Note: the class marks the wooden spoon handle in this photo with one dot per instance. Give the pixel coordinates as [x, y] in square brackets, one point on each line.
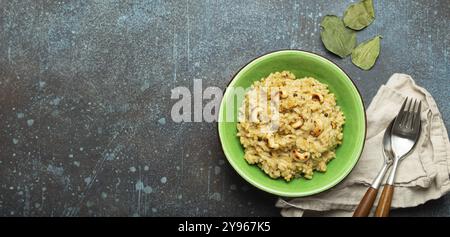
[384, 204]
[366, 203]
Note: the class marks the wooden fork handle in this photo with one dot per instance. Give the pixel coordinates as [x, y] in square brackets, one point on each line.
[384, 204]
[366, 203]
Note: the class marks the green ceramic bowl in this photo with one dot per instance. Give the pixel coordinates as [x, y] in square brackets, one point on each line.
[302, 64]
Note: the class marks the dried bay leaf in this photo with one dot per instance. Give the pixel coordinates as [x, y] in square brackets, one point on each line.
[365, 54]
[359, 15]
[337, 38]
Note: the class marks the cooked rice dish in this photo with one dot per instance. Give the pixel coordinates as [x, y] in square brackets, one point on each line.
[290, 127]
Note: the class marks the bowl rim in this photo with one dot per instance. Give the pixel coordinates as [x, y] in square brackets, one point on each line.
[282, 193]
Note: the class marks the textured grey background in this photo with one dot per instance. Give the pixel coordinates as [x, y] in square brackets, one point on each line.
[85, 124]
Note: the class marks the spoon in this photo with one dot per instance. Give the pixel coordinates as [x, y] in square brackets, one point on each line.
[366, 203]
[405, 134]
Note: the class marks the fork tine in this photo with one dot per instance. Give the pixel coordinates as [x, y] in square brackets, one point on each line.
[412, 115]
[404, 105]
[405, 117]
[401, 113]
[416, 122]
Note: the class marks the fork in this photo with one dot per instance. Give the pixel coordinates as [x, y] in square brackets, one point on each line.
[404, 136]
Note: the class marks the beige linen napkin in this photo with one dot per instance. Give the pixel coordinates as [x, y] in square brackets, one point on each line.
[422, 176]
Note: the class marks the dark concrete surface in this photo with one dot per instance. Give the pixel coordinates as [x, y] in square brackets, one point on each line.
[85, 126]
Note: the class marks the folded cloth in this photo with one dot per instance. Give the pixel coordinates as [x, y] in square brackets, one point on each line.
[422, 176]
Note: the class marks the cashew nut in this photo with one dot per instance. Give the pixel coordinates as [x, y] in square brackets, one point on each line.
[298, 123]
[301, 156]
[318, 128]
[317, 96]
